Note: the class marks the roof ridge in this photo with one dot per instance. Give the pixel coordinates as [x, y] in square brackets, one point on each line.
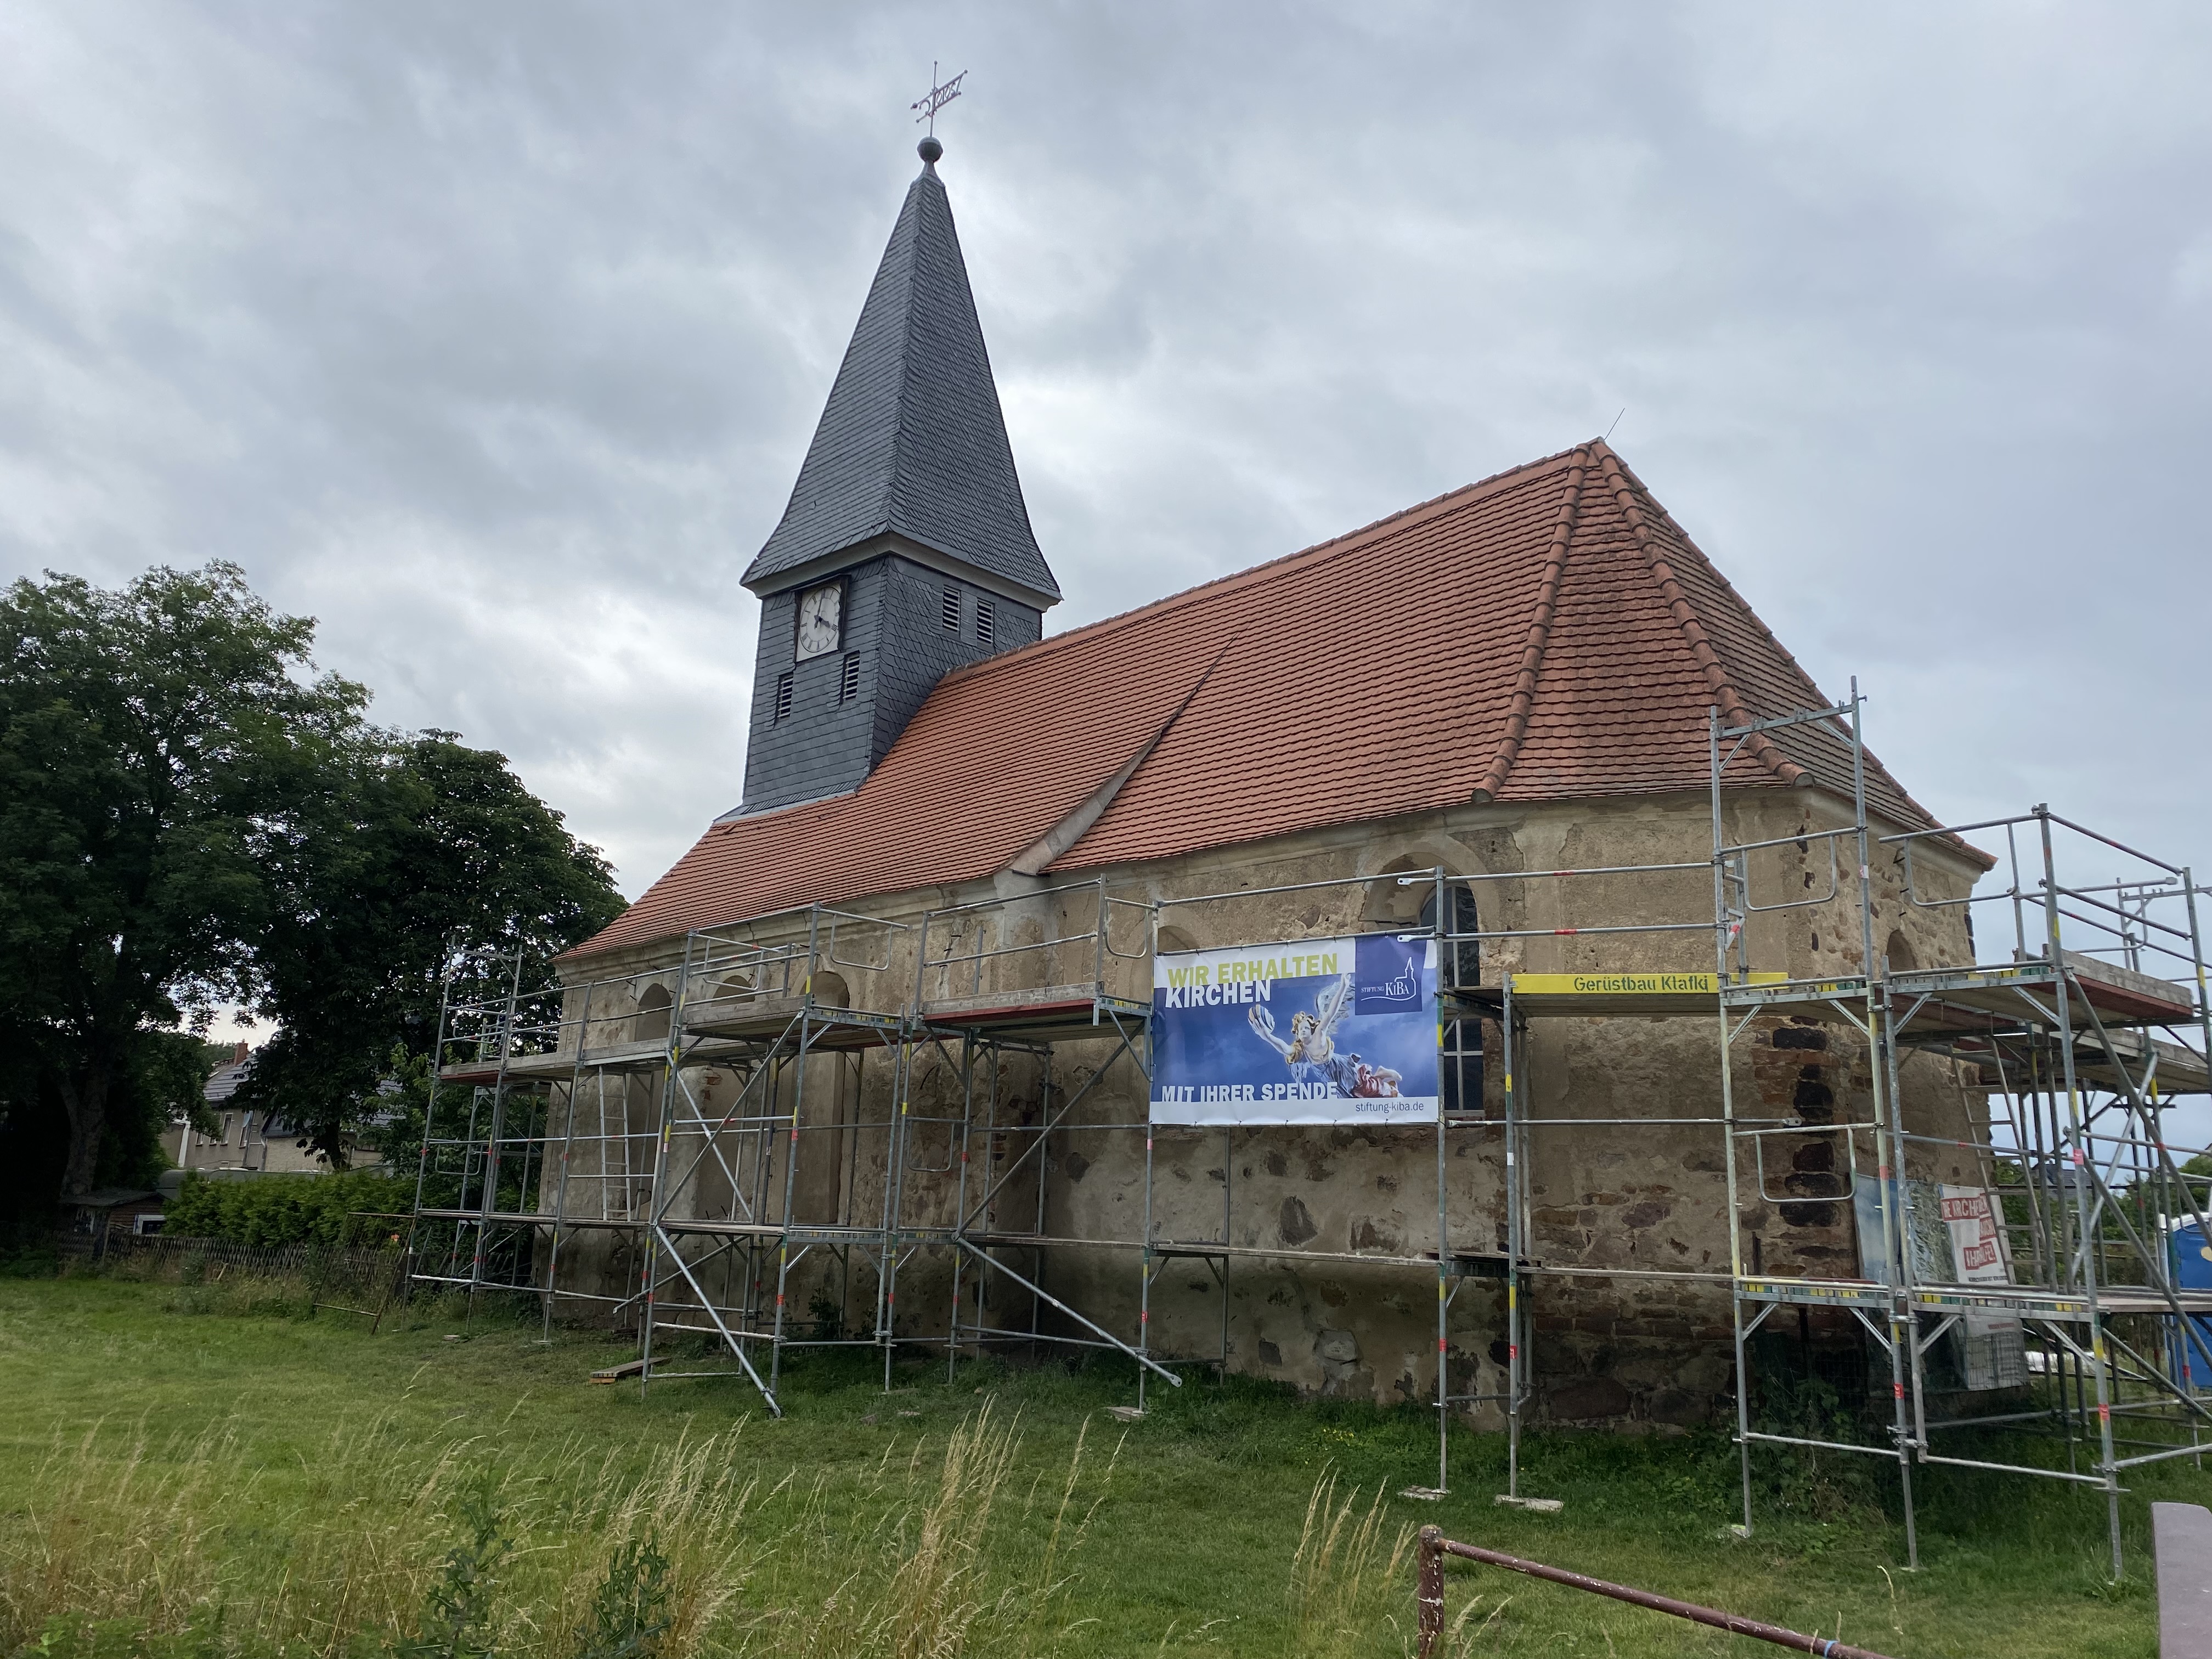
[1334, 544]
[1539, 632]
[1726, 693]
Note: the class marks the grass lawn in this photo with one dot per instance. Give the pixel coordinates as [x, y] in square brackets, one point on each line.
[166, 1451]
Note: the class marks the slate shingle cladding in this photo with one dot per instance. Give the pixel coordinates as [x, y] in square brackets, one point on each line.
[894, 627]
[912, 442]
[911, 452]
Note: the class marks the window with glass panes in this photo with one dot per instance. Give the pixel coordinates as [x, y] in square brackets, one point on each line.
[1459, 962]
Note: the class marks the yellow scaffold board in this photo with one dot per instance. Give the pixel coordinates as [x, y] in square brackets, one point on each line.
[1649, 994]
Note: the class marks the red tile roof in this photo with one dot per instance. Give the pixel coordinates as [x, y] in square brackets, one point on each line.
[1547, 633]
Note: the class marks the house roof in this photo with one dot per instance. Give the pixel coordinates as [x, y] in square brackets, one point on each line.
[1547, 633]
[223, 1082]
[912, 442]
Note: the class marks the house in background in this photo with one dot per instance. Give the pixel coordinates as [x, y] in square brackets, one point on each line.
[242, 1141]
[112, 1210]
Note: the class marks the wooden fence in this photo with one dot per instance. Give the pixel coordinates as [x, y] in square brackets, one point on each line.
[378, 1272]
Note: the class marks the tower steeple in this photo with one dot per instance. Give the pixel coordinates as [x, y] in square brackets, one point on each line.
[905, 551]
[912, 443]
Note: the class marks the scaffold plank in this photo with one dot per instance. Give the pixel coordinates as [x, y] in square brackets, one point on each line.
[1656, 995]
[1817, 1292]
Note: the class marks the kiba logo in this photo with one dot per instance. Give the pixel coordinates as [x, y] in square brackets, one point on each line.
[1404, 987]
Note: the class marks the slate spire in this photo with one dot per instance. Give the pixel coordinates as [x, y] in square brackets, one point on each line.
[912, 442]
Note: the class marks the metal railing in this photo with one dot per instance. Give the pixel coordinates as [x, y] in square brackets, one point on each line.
[1434, 1546]
[966, 950]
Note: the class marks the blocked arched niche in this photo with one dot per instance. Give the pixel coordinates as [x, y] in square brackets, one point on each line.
[1390, 905]
[651, 1020]
[1900, 952]
[828, 989]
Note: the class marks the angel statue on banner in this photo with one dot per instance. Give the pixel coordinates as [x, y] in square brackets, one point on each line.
[1311, 1055]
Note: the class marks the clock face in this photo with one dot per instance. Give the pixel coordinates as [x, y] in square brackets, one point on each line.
[821, 619]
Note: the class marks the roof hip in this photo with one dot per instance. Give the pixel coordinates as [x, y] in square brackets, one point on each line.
[1725, 691]
[1539, 632]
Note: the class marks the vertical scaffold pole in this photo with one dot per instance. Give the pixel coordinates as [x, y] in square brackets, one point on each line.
[1513, 1248]
[430, 1099]
[790, 1188]
[960, 1198]
[657, 1205]
[649, 1266]
[2197, 962]
[1721, 928]
[1443, 1230]
[1228, 1193]
[490, 1202]
[1889, 1111]
[2076, 1186]
[568, 1146]
[1140, 1053]
[2204, 1028]
[894, 1202]
[1044, 1168]
[1907, 1427]
[1145, 1264]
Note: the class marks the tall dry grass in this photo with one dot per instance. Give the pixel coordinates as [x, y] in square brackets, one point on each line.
[380, 1547]
[1349, 1569]
[941, 1580]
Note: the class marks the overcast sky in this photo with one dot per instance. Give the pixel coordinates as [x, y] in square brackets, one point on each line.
[492, 335]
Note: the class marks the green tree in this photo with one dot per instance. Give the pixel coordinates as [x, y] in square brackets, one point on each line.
[144, 733]
[426, 841]
[191, 815]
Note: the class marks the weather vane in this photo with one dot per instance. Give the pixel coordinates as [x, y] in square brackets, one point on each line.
[940, 94]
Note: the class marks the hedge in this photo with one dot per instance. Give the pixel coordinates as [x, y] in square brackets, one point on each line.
[271, 1210]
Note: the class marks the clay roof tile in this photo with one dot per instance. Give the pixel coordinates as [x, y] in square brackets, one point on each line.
[1547, 633]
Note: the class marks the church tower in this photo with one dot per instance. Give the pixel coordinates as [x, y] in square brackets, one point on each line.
[906, 550]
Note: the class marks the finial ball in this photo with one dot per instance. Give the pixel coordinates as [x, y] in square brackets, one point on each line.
[931, 149]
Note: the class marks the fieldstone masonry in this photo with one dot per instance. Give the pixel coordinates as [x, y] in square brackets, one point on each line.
[1610, 1201]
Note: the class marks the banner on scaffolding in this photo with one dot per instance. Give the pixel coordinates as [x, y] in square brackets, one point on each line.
[1954, 1238]
[1321, 1030]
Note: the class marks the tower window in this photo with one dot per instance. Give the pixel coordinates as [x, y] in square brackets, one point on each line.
[783, 697]
[985, 621]
[848, 679]
[952, 611]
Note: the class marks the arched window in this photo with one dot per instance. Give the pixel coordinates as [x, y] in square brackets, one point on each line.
[1459, 962]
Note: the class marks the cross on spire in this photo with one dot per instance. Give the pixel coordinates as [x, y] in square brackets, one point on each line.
[940, 94]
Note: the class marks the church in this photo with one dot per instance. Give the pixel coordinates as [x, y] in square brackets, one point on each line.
[876, 1063]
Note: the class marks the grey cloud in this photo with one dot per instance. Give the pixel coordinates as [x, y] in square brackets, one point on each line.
[493, 335]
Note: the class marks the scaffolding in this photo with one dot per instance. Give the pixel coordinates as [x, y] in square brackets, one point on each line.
[683, 1148]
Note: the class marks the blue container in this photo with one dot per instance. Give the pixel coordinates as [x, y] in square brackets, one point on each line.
[2192, 1270]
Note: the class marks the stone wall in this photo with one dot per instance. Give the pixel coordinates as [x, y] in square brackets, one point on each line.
[1605, 1203]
